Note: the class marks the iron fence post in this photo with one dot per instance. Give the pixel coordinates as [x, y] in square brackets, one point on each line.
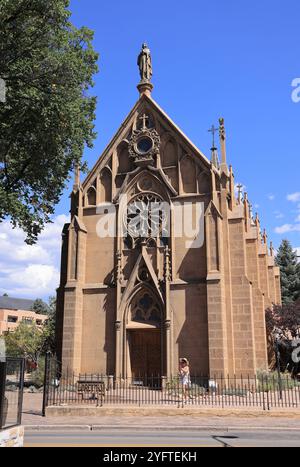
[277, 353]
[46, 383]
[2, 392]
[21, 390]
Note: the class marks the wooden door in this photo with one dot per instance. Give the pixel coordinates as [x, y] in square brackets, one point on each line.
[145, 354]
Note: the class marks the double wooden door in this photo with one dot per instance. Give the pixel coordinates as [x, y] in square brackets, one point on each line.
[145, 354]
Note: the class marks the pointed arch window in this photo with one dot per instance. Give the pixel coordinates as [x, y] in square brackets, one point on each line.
[145, 308]
[169, 154]
[188, 175]
[105, 185]
[92, 196]
[124, 162]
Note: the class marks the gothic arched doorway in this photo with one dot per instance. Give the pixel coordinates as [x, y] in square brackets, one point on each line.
[144, 338]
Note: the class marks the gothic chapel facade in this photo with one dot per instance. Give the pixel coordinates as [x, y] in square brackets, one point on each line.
[134, 303]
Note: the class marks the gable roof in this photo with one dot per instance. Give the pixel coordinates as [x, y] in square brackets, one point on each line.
[9, 303]
[152, 103]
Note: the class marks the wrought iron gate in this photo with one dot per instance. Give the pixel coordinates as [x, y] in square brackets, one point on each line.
[11, 391]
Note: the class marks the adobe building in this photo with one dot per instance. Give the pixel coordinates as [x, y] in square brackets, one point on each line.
[13, 311]
[139, 287]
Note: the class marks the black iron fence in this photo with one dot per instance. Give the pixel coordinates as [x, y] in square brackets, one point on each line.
[263, 391]
[11, 392]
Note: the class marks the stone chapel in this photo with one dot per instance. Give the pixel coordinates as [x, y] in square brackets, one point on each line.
[162, 258]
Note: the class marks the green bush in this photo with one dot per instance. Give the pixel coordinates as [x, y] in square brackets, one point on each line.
[270, 381]
[174, 386]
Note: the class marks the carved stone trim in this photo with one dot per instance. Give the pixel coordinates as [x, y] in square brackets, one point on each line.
[147, 158]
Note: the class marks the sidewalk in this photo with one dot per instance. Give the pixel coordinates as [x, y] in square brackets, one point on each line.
[214, 419]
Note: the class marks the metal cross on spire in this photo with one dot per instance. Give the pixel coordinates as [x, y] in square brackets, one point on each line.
[213, 130]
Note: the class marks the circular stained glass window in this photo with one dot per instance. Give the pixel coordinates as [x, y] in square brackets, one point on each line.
[144, 145]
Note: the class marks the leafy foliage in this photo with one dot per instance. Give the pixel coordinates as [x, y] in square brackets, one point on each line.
[286, 259]
[49, 327]
[48, 66]
[269, 381]
[285, 319]
[31, 341]
[40, 307]
[285, 322]
[26, 341]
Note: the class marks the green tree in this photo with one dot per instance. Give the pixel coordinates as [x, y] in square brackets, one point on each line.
[286, 259]
[26, 341]
[31, 341]
[48, 66]
[284, 322]
[40, 307]
[49, 327]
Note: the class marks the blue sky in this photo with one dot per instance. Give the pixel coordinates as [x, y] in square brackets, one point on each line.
[230, 58]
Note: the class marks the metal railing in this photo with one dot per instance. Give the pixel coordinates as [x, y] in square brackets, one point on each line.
[263, 391]
[11, 392]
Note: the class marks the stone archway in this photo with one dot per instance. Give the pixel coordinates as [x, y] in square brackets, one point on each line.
[144, 337]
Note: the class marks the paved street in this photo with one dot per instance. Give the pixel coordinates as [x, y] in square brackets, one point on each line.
[192, 438]
[177, 430]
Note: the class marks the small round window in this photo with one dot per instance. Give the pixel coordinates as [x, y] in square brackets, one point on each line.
[144, 145]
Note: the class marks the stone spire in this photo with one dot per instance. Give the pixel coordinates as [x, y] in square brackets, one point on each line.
[240, 193]
[231, 184]
[251, 214]
[222, 134]
[265, 237]
[246, 210]
[257, 223]
[76, 178]
[145, 66]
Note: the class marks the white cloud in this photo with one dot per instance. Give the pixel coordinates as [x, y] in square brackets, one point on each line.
[278, 215]
[271, 197]
[34, 281]
[294, 197]
[30, 270]
[297, 218]
[287, 228]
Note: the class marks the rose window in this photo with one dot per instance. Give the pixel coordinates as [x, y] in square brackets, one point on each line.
[146, 217]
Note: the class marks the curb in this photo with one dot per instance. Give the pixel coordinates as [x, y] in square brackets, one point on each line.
[79, 411]
[57, 428]
[137, 428]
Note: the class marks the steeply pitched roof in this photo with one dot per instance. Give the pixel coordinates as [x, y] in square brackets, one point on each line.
[9, 303]
[154, 106]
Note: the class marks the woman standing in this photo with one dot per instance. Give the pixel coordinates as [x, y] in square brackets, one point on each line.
[185, 378]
